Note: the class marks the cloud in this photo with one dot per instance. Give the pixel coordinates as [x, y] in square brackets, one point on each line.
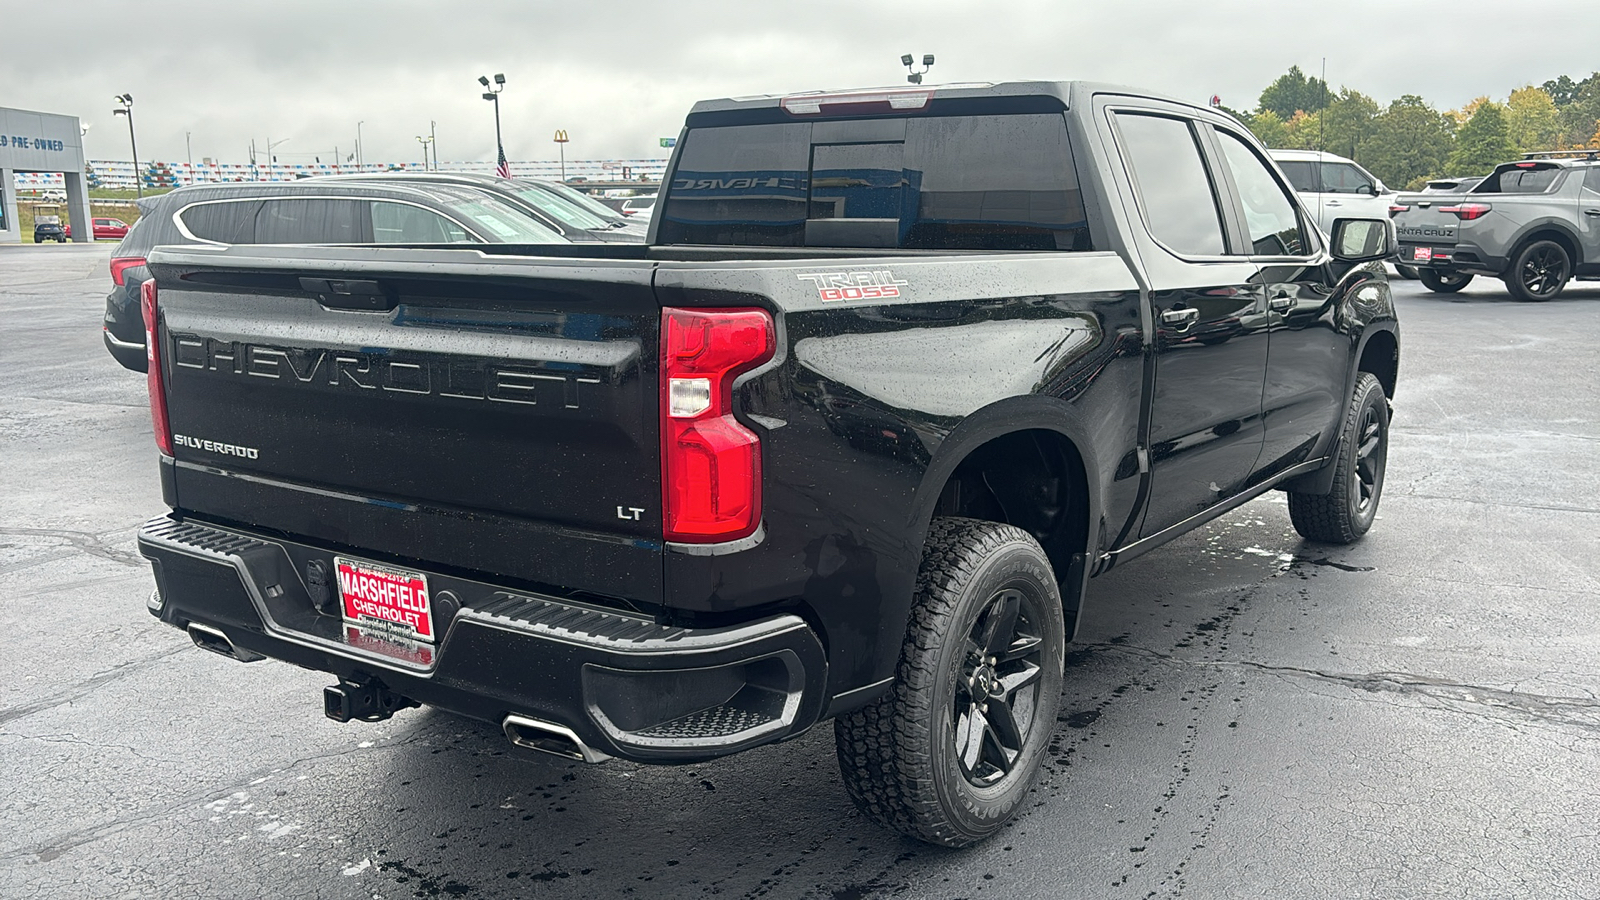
[619, 75]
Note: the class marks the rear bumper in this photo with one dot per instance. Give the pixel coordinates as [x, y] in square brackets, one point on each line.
[1461, 257]
[621, 683]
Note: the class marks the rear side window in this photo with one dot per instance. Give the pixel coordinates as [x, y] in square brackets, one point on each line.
[1533, 179]
[402, 223]
[308, 222]
[1180, 205]
[957, 182]
[1303, 175]
[226, 222]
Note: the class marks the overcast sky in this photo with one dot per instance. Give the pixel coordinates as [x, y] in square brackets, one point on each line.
[620, 75]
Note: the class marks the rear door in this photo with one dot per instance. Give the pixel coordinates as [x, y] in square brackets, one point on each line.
[1211, 336]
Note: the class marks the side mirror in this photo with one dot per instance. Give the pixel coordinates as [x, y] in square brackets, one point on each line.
[1363, 240]
[1367, 190]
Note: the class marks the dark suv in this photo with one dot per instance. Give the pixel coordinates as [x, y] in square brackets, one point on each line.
[303, 212]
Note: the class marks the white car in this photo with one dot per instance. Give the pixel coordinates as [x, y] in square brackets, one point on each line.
[1334, 187]
[640, 208]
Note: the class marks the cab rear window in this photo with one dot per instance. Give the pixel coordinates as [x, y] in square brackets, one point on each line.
[936, 183]
[1520, 179]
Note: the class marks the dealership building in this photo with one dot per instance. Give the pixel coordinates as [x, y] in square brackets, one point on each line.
[42, 142]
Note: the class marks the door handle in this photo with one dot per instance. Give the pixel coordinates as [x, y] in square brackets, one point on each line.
[1180, 319]
[1592, 212]
[1281, 300]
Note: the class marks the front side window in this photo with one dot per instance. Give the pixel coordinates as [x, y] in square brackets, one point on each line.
[1180, 206]
[1343, 178]
[308, 221]
[1591, 179]
[402, 223]
[1269, 213]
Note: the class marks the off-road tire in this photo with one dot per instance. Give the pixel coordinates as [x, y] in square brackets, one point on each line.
[1442, 282]
[899, 756]
[1346, 512]
[1538, 272]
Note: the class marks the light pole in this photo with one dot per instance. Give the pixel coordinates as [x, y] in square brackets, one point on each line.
[909, 62]
[502, 168]
[424, 141]
[561, 141]
[358, 144]
[272, 160]
[433, 138]
[127, 110]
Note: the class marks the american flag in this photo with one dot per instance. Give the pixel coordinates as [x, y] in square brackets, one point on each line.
[504, 168]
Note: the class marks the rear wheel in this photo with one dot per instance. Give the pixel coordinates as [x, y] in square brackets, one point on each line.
[948, 755]
[1539, 271]
[1346, 512]
[1407, 272]
[1443, 282]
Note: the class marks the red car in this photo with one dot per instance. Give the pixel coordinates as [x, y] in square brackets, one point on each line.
[106, 229]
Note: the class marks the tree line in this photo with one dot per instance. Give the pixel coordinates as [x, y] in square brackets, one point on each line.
[1410, 141]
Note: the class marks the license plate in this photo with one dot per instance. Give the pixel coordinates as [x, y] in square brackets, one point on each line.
[1422, 254]
[383, 598]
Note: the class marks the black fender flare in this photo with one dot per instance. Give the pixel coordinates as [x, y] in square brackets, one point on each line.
[1004, 417]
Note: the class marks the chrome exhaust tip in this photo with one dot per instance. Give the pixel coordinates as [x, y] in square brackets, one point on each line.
[207, 638]
[548, 737]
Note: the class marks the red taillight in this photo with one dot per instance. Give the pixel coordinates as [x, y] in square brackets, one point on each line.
[1468, 211]
[152, 357]
[710, 464]
[123, 264]
[1396, 209]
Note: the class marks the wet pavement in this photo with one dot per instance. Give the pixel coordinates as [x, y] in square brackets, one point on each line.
[1246, 715]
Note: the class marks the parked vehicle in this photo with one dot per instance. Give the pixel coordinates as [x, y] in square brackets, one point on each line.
[554, 211]
[1333, 187]
[903, 370]
[1534, 224]
[105, 229]
[1452, 185]
[298, 212]
[638, 207]
[48, 227]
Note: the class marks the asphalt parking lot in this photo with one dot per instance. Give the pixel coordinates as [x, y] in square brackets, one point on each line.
[1246, 715]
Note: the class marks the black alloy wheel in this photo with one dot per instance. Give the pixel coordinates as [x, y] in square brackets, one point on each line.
[1348, 509]
[1539, 272]
[1442, 282]
[997, 690]
[949, 753]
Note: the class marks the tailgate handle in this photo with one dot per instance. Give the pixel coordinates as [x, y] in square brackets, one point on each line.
[348, 293]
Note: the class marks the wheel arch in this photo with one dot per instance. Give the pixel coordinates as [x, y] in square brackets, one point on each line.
[1546, 229]
[1024, 461]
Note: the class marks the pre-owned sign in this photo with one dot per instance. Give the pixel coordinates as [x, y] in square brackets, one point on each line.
[40, 142]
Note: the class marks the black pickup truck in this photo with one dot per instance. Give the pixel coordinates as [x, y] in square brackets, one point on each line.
[898, 373]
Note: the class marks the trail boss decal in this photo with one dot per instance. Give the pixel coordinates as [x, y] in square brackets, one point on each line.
[837, 286]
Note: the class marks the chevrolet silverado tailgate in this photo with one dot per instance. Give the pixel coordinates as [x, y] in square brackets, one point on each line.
[489, 414]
